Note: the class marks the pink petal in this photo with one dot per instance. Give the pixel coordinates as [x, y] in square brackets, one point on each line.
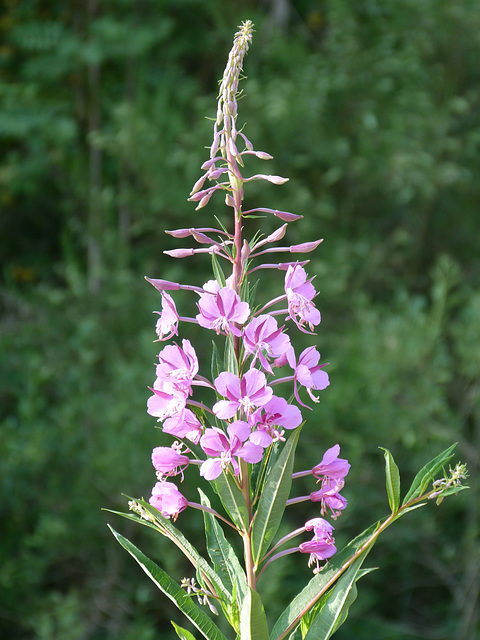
[251, 452]
[225, 409]
[211, 469]
[239, 429]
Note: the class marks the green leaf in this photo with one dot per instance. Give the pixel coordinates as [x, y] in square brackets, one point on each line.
[252, 293]
[273, 498]
[183, 634]
[245, 287]
[216, 364]
[427, 474]
[411, 508]
[217, 270]
[328, 574]
[230, 359]
[253, 622]
[296, 635]
[393, 481]
[134, 517]
[177, 537]
[450, 491]
[225, 562]
[173, 591]
[309, 617]
[221, 552]
[335, 610]
[262, 470]
[232, 500]
[217, 545]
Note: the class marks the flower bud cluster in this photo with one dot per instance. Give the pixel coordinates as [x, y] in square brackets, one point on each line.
[452, 482]
[203, 596]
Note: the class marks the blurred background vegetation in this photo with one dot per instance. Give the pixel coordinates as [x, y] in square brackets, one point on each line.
[372, 108]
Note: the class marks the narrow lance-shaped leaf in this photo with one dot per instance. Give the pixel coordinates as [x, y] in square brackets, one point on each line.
[217, 270]
[223, 556]
[216, 364]
[262, 470]
[335, 611]
[134, 518]
[450, 492]
[427, 474]
[173, 591]
[232, 500]
[183, 634]
[253, 622]
[188, 549]
[273, 498]
[230, 359]
[392, 476]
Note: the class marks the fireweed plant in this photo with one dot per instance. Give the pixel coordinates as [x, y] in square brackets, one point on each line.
[243, 442]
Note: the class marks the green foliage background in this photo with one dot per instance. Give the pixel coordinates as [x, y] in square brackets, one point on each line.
[373, 109]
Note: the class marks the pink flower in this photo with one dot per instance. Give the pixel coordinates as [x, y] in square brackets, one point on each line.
[322, 545]
[222, 311]
[264, 339]
[308, 372]
[319, 549]
[275, 413]
[184, 424]
[168, 499]
[331, 471]
[300, 293]
[177, 367]
[168, 462]
[329, 498]
[331, 466]
[244, 393]
[226, 448]
[166, 400]
[167, 323]
[320, 527]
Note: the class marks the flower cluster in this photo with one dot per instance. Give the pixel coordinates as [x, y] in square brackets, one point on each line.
[245, 419]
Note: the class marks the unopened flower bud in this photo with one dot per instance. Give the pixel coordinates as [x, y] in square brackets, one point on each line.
[245, 250]
[305, 247]
[180, 253]
[248, 144]
[278, 234]
[179, 233]
[204, 201]
[208, 163]
[200, 237]
[163, 285]
[269, 178]
[214, 147]
[213, 175]
[198, 185]
[232, 147]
